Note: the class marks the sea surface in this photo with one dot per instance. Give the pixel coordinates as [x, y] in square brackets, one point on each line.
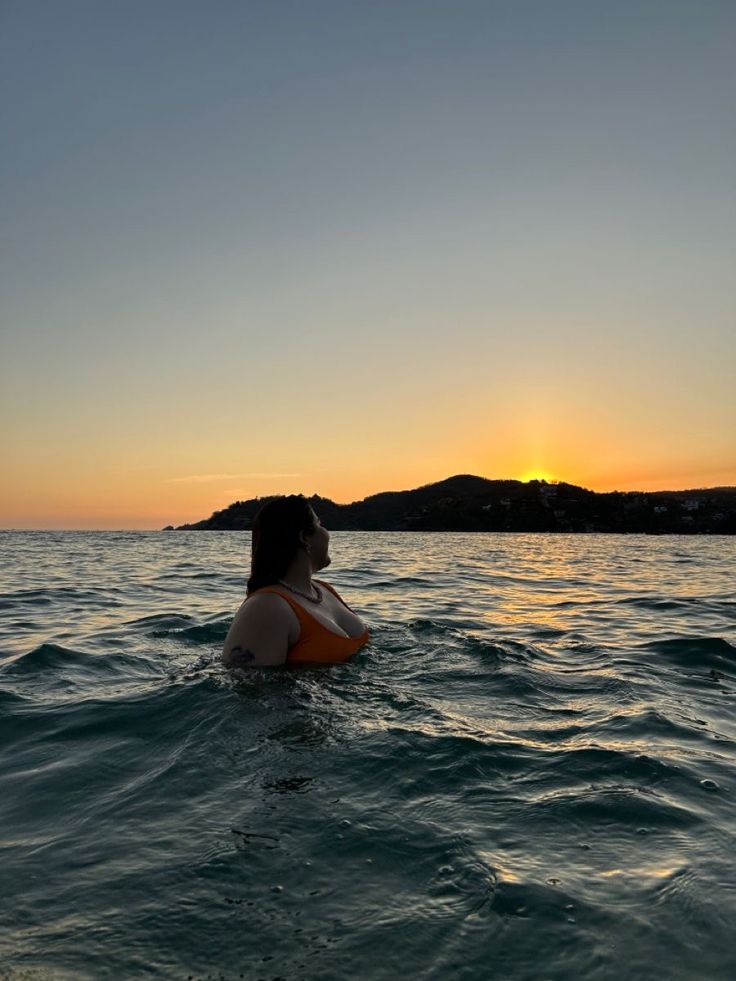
[528, 773]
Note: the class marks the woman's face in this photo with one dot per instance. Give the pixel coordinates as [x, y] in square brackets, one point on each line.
[319, 541]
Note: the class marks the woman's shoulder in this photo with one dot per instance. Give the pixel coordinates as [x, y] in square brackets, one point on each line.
[266, 601]
[264, 595]
[261, 608]
[261, 611]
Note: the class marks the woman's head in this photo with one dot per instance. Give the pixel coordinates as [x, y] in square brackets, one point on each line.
[283, 528]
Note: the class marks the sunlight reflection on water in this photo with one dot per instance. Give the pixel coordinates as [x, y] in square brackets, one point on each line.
[535, 752]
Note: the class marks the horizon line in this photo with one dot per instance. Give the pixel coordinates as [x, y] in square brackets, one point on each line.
[515, 480]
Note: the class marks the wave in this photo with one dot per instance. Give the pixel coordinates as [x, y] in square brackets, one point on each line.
[179, 626]
[493, 767]
[49, 658]
[617, 807]
[198, 633]
[47, 596]
[695, 652]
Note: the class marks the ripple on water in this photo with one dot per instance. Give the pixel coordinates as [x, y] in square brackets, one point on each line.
[529, 768]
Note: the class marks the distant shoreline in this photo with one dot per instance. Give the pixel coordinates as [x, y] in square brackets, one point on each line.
[367, 531]
[475, 504]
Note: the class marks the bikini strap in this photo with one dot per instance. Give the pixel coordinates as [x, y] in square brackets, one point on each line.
[327, 586]
[293, 603]
[335, 593]
[297, 607]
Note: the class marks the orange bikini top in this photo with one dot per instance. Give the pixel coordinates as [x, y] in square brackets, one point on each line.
[318, 644]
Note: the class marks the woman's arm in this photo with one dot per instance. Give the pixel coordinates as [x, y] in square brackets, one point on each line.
[259, 634]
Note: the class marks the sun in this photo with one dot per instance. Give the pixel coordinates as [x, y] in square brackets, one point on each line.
[536, 475]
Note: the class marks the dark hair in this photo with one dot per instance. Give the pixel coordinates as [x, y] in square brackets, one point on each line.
[275, 541]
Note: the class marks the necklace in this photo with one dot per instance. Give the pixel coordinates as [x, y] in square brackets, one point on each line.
[320, 595]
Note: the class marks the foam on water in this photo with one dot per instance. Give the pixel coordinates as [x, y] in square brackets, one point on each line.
[527, 773]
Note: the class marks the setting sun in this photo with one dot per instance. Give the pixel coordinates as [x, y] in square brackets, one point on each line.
[537, 475]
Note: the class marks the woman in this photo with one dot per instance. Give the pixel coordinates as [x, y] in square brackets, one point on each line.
[287, 617]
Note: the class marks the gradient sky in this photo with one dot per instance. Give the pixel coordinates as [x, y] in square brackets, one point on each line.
[343, 247]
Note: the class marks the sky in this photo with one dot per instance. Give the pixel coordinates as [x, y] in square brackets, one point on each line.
[295, 246]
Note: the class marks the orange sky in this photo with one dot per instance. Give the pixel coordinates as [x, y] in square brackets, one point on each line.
[92, 483]
[143, 447]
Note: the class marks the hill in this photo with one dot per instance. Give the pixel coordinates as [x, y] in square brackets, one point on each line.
[469, 503]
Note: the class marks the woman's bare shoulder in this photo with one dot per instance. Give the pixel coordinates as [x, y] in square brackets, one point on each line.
[264, 626]
[265, 606]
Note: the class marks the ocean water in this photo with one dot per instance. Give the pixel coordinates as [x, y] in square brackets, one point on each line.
[528, 773]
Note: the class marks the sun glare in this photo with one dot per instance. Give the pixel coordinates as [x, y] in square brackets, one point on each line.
[536, 475]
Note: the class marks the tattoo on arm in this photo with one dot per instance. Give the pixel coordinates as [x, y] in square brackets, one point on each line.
[241, 655]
